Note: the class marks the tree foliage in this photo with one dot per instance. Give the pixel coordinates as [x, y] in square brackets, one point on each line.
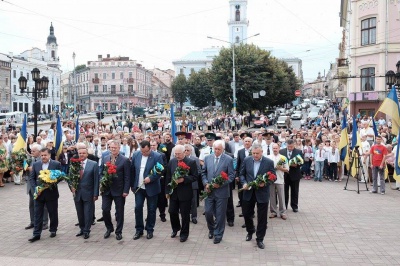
[80, 67]
[255, 70]
[199, 90]
[179, 88]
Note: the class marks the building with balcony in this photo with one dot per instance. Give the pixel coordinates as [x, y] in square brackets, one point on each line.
[373, 49]
[112, 83]
[5, 80]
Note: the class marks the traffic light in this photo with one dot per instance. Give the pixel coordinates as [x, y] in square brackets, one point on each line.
[98, 115]
[102, 115]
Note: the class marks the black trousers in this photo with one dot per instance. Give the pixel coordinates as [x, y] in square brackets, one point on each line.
[183, 207]
[32, 211]
[119, 212]
[84, 210]
[162, 201]
[230, 211]
[262, 217]
[52, 207]
[240, 194]
[293, 186]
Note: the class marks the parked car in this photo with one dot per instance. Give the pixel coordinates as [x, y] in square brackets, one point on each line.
[281, 122]
[297, 115]
[257, 122]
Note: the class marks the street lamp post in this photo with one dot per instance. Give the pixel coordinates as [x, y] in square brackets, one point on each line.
[73, 57]
[233, 84]
[393, 78]
[38, 92]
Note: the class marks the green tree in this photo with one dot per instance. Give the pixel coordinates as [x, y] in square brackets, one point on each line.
[255, 70]
[199, 89]
[179, 88]
[80, 67]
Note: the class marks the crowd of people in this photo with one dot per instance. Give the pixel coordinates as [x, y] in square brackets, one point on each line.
[308, 153]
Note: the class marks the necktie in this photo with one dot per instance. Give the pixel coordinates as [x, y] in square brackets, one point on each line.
[81, 171]
[211, 150]
[216, 161]
[320, 153]
[268, 152]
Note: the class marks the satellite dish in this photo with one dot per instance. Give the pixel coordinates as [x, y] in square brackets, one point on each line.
[262, 93]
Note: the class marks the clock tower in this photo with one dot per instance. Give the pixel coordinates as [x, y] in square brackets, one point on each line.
[52, 49]
[238, 22]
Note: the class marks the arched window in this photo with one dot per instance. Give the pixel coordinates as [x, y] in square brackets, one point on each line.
[237, 15]
[237, 39]
[53, 54]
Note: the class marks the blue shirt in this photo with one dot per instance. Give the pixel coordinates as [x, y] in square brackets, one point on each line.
[256, 165]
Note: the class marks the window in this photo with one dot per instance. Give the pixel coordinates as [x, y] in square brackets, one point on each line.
[367, 112]
[112, 89]
[14, 73]
[96, 88]
[96, 75]
[113, 75]
[104, 88]
[21, 74]
[181, 71]
[6, 81]
[15, 88]
[130, 88]
[368, 79]
[121, 88]
[104, 76]
[368, 31]
[130, 75]
[121, 75]
[237, 15]
[237, 39]
[27, 76]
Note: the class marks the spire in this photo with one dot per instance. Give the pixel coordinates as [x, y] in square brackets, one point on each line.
[51, 38]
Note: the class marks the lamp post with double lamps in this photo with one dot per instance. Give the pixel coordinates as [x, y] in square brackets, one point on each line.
[233, 84]
[40, 91]
[393, 78]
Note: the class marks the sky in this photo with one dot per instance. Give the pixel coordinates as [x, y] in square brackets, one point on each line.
[157, 32]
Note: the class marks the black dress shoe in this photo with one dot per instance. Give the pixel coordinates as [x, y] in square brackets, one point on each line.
[249, 237]
[53, 234]
[118, 236]
[183, 239]
[231, 224]
[241, 215]
[34, 238]
[238, 205]
[173, 234]
[94, 222]
[79, 234]
[210, 235]
[29, 227]
[149, 235]
[100, 219]
[194, 220]
[86, 236]
[137, 235]
[108, 233]
[76, 224]
[295, 210]
[217, 240]
[163, 219]
[260, 245]
[244, 226]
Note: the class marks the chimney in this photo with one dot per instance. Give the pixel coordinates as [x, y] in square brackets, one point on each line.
[108, 55]
[100, 57]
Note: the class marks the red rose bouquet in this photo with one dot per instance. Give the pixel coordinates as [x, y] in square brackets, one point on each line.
[267, 178]
[181, 170]
[219, 180]
[109, 172]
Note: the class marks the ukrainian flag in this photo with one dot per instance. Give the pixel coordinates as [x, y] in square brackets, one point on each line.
[355, 141]
[59, 134]
[396, 173]
[390, 107]
[21, 140]
[344, 144]
[77, 129]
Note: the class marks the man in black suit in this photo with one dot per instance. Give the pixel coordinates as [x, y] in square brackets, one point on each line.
[168, 144]
[292, 179]
[118, 190]
[86, 193]
[242, 153]
[195, 185]
[181, 197]
[252, 167]
[48, 198]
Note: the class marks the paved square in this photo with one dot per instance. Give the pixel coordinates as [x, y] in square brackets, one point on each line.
[332, 227]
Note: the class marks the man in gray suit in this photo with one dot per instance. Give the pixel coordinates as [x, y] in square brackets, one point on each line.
[86, 193]
[48, 198]
[195, 185]
[236, 144]
[216, 203]
[35, 155]
[253, 166]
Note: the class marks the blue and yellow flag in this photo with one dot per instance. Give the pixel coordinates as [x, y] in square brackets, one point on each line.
[173, 124]
[59, 134]
[344, 144]
[21, 139]
[396, 172]
[77, 129]
[390, 107]
[355, 142]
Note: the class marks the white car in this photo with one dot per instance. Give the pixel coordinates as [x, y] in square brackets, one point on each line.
[297, 115]
[314, 113]
[281, 122]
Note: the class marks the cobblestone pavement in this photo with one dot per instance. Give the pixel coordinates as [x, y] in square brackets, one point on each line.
[332, 227]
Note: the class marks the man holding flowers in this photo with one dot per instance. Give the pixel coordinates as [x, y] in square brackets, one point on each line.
[48, 197]
[217, 201]
[183, 172]
[256, 174]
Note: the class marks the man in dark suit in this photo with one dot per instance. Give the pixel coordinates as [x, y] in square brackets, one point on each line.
[181, 198]
[117, 192]
[162, 202]
[168, 144]
[86, 193]
[48, 198]
[146, 186]
[195, 185]
[216, 203]
[252, 167]
[292, 179]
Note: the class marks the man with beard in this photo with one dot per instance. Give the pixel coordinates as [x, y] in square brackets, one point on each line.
[168, 144]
